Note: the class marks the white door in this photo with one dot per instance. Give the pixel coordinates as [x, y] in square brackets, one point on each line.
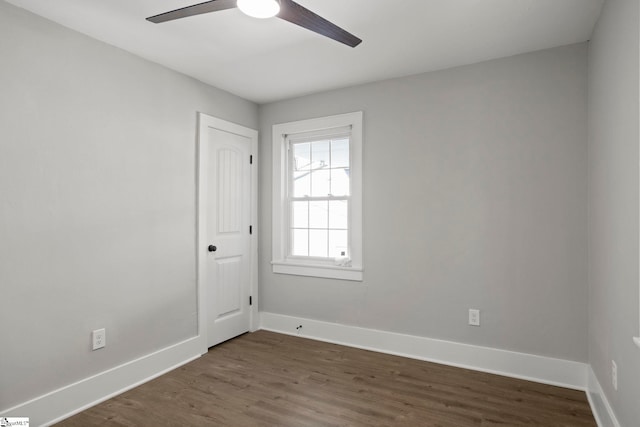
[226, 240]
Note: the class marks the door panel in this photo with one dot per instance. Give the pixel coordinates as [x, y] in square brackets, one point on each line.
[229, 202]
[229, 293]
[228, 215]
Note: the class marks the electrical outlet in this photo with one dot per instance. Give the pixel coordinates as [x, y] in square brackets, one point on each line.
[614, 375]
[99, 338]
[474, 317]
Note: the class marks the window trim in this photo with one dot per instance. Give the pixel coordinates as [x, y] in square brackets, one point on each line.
[283, 264]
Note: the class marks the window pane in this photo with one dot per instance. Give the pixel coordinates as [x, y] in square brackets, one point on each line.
[340, 182]
[340, 153]
[338, 214]
[318, 243]
[300, 243]
[302, 156]
[338, 243]
[320, 155]
[300, 215]
[320, 183]
[301, 184]
[318, 214]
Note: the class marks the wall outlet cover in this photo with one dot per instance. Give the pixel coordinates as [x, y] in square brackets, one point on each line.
[474, 317]
[99, 337]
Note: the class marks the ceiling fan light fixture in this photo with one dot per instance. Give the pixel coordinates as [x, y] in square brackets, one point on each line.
[259, 8]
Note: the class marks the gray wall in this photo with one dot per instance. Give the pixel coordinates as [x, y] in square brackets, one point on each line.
[97, 203]
[475, 196]
[613, 204]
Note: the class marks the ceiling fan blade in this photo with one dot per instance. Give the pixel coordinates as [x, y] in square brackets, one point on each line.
[196, 9]
[299, 15]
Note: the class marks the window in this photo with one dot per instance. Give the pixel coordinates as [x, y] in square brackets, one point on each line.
[317, 197]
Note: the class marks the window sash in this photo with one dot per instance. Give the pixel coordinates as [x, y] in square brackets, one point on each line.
[334, 242]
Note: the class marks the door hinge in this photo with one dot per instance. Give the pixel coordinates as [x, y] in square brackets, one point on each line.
[250, 300]
[251, 159]
[251, 229]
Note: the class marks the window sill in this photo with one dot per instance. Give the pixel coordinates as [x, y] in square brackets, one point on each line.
[316, 270]
[637, 341]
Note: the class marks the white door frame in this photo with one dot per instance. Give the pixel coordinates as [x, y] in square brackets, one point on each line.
[205, 122]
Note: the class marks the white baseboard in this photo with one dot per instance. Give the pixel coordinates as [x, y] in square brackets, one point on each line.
[602, 411]
[69, 400]
[559, 372]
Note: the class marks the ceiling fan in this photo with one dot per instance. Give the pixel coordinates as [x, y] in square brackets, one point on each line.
[283, 9]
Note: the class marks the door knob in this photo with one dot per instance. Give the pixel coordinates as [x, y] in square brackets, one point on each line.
[212, 248]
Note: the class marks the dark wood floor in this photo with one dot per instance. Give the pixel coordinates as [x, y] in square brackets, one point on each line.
[268, 379]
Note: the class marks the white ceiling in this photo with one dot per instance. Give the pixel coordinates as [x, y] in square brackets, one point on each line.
[268, 60]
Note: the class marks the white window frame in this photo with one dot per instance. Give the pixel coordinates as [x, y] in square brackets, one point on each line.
[282, 263]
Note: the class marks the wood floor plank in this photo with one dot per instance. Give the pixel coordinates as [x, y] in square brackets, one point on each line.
[269, 379]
